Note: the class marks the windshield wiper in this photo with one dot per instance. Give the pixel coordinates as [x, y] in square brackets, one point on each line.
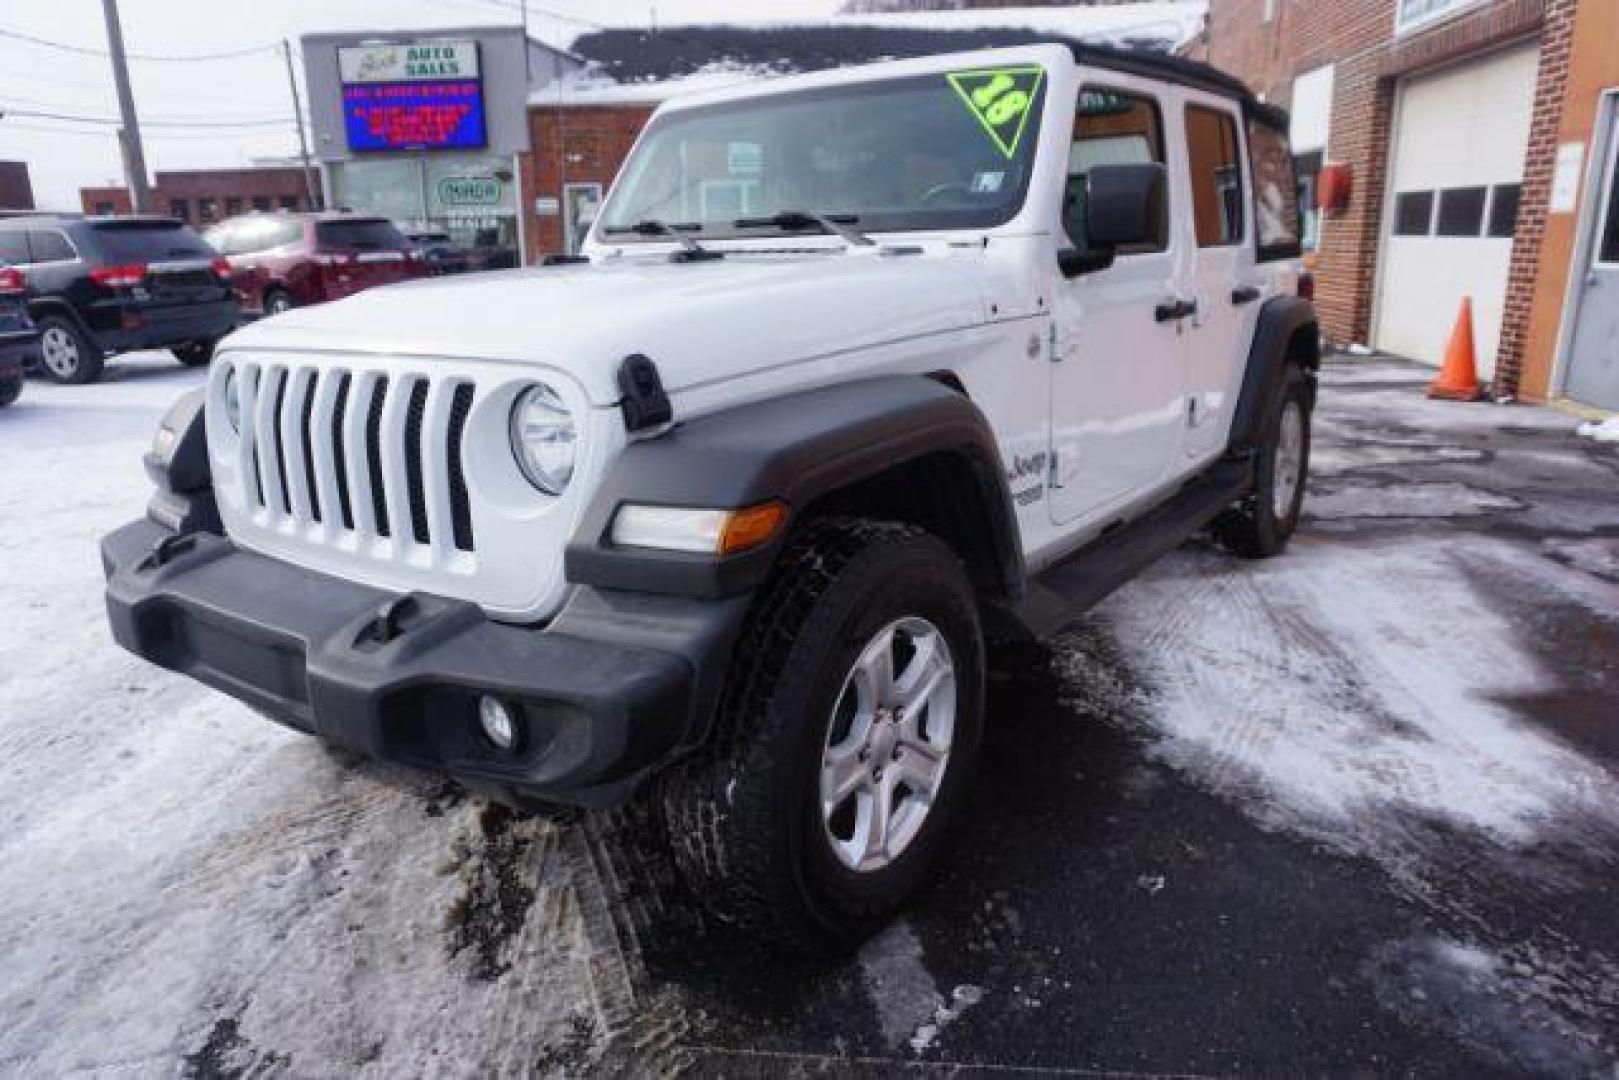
[655, 227]
[793, 220]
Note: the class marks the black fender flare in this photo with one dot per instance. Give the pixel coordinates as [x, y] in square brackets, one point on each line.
[1280, 320]
[41, 306]
[798, 448]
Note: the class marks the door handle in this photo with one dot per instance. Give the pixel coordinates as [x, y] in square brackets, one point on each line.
[1246, 294]
[1174, 309]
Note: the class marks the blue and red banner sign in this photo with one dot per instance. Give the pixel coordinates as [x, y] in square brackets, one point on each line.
[440, 114]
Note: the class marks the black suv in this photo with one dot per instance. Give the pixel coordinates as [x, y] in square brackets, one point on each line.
[98, 286]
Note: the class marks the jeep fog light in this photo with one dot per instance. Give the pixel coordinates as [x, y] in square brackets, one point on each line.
[498, 723]
[705, 532]
[544, 438]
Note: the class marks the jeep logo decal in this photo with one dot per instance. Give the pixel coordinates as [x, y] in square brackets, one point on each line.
[1000, 99]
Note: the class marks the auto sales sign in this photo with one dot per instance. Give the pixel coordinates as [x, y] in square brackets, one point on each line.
[425, 95]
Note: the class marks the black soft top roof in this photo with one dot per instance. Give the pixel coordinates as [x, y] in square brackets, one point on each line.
[1178, 69]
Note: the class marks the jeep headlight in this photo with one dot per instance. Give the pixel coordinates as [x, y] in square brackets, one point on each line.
[544, 438]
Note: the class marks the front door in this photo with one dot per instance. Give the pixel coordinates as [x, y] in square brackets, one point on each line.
[1593, 358]
[1116, 379]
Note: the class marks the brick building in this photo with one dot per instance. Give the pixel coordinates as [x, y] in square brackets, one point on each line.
[16, 190]
[200, 197]
[1479, 139]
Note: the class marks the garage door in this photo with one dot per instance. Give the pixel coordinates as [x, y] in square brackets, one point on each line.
[1455, 168]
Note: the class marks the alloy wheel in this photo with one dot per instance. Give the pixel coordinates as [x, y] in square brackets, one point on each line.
[60, 352]
[888, 746]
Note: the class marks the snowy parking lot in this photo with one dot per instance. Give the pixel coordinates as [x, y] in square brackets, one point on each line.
[1356, 808]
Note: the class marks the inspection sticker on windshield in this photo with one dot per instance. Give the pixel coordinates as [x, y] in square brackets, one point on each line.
[1001, 100]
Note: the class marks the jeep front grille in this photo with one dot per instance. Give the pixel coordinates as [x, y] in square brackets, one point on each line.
[358, 452]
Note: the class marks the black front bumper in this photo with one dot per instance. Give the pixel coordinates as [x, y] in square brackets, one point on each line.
[616, 685]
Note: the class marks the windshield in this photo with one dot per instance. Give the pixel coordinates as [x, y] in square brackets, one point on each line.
[945, 151]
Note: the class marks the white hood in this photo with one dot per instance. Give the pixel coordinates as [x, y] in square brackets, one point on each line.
[698, 320]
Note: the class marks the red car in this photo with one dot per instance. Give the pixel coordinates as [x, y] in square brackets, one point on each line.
[281, 261]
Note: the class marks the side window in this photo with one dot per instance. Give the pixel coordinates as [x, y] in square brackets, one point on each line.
[1111, 127]
[1216, 167]
[1277, 223]
[14, 248]
[50, 247]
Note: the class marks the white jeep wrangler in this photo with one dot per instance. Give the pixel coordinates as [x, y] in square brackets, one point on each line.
[858, 371]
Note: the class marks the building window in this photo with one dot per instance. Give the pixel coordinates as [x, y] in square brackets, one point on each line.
[233, 206]
[1504, 210]
[261, 203]
[105, 209]
[1413, 213]
[1216, 166]
[1412, 14]
[289, 202]
[1461, 211]
[207, 211]
[178, 208]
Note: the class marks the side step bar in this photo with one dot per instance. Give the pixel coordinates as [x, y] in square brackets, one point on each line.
[1062, 592]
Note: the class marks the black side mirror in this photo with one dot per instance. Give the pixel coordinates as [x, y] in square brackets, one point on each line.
[1073, 262]
[1124, 205]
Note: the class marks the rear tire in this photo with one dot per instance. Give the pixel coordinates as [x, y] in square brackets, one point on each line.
[194, 353]
[276, 301]
[67, 354]
[818, 804]
[10, 391]
[1263, 522]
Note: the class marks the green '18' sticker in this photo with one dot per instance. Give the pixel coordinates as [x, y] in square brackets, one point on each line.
[1000, 99]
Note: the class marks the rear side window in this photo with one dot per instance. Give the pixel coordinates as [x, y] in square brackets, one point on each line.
[14, 248]
[50, 246]
[1277, 224]
[1111, 127]
[1216, 167]
[246, 236]
[146, 241]
[371, 233]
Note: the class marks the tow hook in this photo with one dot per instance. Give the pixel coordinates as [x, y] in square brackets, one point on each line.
[168, 549]
[389, 622]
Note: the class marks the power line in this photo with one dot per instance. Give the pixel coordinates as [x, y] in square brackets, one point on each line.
[156, 136]
[111, 121]
[84, 50]
[7, 98]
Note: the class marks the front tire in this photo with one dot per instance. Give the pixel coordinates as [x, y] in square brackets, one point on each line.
[845, 740]
[1261, 525]
[194, 353]
[68, 355]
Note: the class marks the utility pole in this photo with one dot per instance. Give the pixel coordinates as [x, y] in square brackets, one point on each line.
[298, 118]
[130, 135]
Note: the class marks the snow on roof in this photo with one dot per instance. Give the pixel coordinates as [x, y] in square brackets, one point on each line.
[628, 65]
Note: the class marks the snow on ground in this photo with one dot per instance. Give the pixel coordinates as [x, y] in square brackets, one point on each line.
[1602, 431]
[182, 880]
[184, 886]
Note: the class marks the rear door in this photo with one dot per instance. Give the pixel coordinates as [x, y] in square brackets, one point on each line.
[1221, 279]
[1116, 378]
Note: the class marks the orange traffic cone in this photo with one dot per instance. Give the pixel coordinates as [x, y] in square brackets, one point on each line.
[1458, 379]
